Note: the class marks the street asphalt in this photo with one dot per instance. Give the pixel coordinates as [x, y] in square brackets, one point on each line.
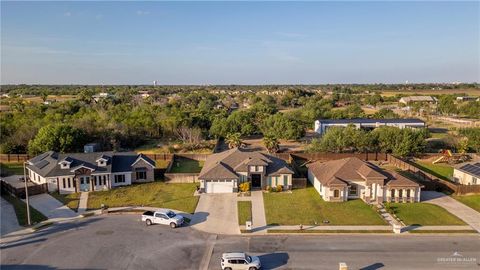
[124, 242]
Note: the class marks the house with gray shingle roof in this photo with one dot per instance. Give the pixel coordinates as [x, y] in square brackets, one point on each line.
[75, 172]
[223, 172]
[352, 178]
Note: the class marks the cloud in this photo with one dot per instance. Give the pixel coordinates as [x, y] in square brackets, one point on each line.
[67, 14]
[142, 12]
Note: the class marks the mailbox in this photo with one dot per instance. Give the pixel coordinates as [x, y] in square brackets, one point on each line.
[248, 225]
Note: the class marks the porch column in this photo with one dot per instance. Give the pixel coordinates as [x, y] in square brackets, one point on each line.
[109, 181]
[396, 195]
[77, 183]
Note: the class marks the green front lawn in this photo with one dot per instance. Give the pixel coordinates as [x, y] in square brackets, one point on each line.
[440, 170]
[21, 210]
[70, 200]
[157, 194]
[424, 214]
[470, 200]
[12, 168]
[184, 165]
[305, 206]
[244, 212]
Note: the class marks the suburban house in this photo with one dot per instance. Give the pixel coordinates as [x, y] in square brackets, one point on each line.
[75, 172]
[417, 99]
[352, 178]
[322, 125]
[223, 172]
[467, 174]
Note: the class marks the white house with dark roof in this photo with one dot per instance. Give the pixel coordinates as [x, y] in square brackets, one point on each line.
[75, 172]
[223, 172]
[467, 174]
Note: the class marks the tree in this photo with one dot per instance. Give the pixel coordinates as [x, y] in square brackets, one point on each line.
[271, 143]
[446, 104]
[192, 137]
[57, 137]
[233, 140]
[473, 136]
[280, 126]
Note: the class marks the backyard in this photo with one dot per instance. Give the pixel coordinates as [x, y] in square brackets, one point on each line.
[186, 165]
[424, 214]
[443, 171]
[472, 201]
[157, 194]
[12, 168]
[305, 206]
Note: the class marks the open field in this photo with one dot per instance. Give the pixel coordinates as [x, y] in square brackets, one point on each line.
[472, 201]
[305, 206]
[424, 214]
[467, 91]
[157, 194]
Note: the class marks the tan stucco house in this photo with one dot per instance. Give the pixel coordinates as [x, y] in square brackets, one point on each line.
[223, 172]
[467, 174]
[75, 172]
[351, 178]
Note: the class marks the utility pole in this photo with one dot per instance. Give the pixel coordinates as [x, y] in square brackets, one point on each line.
[26, 192]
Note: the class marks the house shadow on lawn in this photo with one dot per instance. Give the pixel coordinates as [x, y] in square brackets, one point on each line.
[274, 260]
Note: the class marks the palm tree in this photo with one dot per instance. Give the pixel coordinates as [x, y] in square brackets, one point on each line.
[233, 140]
[271, 143]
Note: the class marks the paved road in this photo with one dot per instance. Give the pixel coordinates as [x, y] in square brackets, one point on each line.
[465, 213]
[51, 207]
[217, 213]
[123, 242]
[8, 218]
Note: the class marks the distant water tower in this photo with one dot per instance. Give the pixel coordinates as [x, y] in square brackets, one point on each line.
[154, 83]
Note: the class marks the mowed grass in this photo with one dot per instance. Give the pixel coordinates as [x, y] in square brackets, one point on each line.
[70, 200]
[157, 194]
[184, 165]
[305, 206]
[12, 168]
[424, 214]
[440, 170]
[21, 211]
[244, 211]
[472, 201]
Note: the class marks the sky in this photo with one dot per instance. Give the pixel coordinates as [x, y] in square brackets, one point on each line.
[239, 42]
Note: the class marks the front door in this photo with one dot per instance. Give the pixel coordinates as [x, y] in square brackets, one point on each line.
[256, 180]
[84, 183]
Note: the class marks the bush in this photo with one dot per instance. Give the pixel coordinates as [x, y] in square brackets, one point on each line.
[268, 188]
[279, 188]
[244, 187]
[274, 189]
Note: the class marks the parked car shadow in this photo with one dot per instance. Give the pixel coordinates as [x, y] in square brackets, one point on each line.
[198, 217]
[374, 266]
[274, 260]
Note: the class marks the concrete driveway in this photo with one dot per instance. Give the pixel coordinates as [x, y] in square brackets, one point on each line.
[216, 213]
[8, 218]
[465, 213]
[51, 207]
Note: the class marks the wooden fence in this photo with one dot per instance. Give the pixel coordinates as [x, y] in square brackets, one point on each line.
[299, 182]
[14, 157]
[20, 192]
[181, 177]
[431, 181]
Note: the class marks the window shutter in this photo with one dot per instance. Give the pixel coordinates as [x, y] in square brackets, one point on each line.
[270, 181]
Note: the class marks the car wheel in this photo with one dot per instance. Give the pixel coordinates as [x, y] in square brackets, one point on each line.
[252, 268]
[148, 222]
[173, 225]
[228, 268]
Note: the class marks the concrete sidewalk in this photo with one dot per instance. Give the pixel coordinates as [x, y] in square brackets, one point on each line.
[82, 204]
[51, 207]
[465, 213]
[259, 221]
[8, 218]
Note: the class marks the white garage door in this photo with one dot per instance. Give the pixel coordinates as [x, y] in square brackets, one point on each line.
[219, 187]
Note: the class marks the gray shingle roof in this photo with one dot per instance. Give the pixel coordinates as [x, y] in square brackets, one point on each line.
[226, 164]
[46, 164]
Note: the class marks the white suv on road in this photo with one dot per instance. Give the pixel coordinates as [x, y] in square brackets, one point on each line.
[240, 261]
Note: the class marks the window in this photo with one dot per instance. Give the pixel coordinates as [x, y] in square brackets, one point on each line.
[64, 184]
[68, 180]
[392, 193]
[474, 180]
[336, 193]
[400, 193]
[120, 178]
[353, 190]
[285, 180]
[408, 193]
[141, 175]
[104, 180]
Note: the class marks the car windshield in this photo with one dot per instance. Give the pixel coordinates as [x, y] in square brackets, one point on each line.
[248, 258]
[170, 214]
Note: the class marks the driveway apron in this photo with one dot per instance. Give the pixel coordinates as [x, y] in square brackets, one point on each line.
[51, 207]
[9, 222]
[216, 213]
